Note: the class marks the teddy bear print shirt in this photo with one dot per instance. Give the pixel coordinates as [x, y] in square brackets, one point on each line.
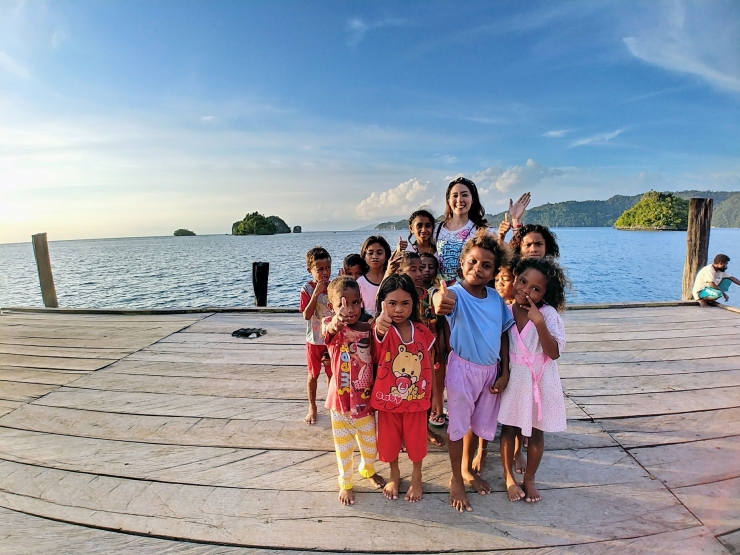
[403, 382]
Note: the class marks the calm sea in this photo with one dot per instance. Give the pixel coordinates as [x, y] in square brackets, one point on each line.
[605, 265]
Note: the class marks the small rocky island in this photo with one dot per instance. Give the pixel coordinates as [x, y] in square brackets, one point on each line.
[257, 224]
[183, 233]
[656, 212]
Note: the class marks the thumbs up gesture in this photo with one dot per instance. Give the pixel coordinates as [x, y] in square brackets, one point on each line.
[383, 321]
[443, 300]
[340, 318]
[402, 244]
[504, 227]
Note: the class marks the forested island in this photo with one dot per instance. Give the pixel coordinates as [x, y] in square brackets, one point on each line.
[183, 233]
[656, 211]
[257, 224]
[604, 213]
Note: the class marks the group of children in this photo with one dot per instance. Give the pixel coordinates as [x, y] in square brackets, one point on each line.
[397, 335]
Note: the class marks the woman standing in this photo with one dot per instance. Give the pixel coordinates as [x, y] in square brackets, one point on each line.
[463, 216]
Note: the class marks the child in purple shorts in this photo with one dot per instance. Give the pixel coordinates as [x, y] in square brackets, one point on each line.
[478, 365]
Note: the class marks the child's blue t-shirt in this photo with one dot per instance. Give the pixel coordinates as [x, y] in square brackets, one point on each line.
[476, 325]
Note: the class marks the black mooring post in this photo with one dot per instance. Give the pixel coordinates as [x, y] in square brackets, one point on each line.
[260, 274]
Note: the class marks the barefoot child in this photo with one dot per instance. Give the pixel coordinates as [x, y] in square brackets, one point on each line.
[375, 252]
[504, 285]
[411, 266]
[403, 384]
[478, 364]
[313, 305]
[348, 398]
[533, 401]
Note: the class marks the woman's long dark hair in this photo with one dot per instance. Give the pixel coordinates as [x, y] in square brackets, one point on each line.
[393, 283]
[477, 213]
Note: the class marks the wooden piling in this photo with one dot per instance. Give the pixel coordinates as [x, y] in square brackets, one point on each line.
[260, 274]
[697, 242]
[43, 263]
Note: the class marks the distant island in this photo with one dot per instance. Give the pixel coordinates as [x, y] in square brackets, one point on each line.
[257, 224]
[183, 233]
[604, 213]
[656, 212]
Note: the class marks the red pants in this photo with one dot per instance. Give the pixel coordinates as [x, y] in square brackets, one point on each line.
[393, 427]
[313, 359]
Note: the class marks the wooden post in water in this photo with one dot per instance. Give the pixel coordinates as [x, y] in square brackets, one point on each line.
[43, 263]
[697, 242]
[260, 273]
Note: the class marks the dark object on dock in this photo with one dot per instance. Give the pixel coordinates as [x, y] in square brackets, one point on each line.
[260, 274]
[697, 242]
[296, 229]
[43, 263]
[249, 333]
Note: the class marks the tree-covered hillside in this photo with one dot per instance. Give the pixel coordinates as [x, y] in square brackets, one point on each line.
[727, 213]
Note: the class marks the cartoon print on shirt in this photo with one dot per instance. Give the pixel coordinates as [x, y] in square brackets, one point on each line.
[407, 370]
[364, 370]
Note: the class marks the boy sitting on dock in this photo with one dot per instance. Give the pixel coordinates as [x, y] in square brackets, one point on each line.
[314, 305]
[713, 281]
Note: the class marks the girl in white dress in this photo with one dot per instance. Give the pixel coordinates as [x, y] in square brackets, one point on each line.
[533, 403]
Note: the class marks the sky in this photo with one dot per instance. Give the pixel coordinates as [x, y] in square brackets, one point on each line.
[135, 118]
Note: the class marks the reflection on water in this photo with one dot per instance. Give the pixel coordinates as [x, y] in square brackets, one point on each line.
[604, 264]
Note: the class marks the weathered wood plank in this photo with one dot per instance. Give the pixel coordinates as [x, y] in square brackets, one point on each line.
[239, 516]
[717, 504]
[595, 335]
[674, 428]
[63, 352]
[658, 403]
[27, 361]
[37, 376]
[644, 344]
[23, 392]
[285, 469]
[592, 387]
[224, 432]
[689, 464]
[648, 368]
[652, 355]
[292, 357]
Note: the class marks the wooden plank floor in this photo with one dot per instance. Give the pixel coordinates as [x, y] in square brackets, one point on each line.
[163, 434]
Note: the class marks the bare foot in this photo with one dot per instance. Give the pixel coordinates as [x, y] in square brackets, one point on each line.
[703, 303]
[377, 480]
[520, 463]
[477, 483]
[479, 461]
[414, 493]
[458, 497]
[532, 494]
[435, 439]
[311, 416]
[391, 489]
[512, 489]
[347, 496]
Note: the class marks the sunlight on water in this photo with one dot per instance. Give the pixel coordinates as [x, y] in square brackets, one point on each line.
[604, 264]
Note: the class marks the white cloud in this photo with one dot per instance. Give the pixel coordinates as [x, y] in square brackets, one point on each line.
[522, 178]
[357, 28]
[556, 133]
[208, 119]
[13, 67]
[600, 138]
[699, 39]
[403, 199]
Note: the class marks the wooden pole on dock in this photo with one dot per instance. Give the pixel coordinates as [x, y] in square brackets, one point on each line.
[697, 242]
[260, 273]
[43, 263]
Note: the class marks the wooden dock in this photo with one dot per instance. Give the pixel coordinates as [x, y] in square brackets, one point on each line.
[163, 434]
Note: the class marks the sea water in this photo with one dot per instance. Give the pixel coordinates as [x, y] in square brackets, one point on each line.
[605, 265]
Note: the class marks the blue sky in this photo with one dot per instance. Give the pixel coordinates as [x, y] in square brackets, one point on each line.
[136, 118]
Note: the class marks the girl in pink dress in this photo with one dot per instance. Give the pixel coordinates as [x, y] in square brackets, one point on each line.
[533, 401]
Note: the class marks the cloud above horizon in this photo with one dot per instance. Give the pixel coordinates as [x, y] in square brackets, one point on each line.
[522, 178]
[693, 40]
[599, 138]
[357, 28]
[402, 199]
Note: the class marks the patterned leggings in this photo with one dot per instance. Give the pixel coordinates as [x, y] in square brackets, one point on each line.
[345, 430]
